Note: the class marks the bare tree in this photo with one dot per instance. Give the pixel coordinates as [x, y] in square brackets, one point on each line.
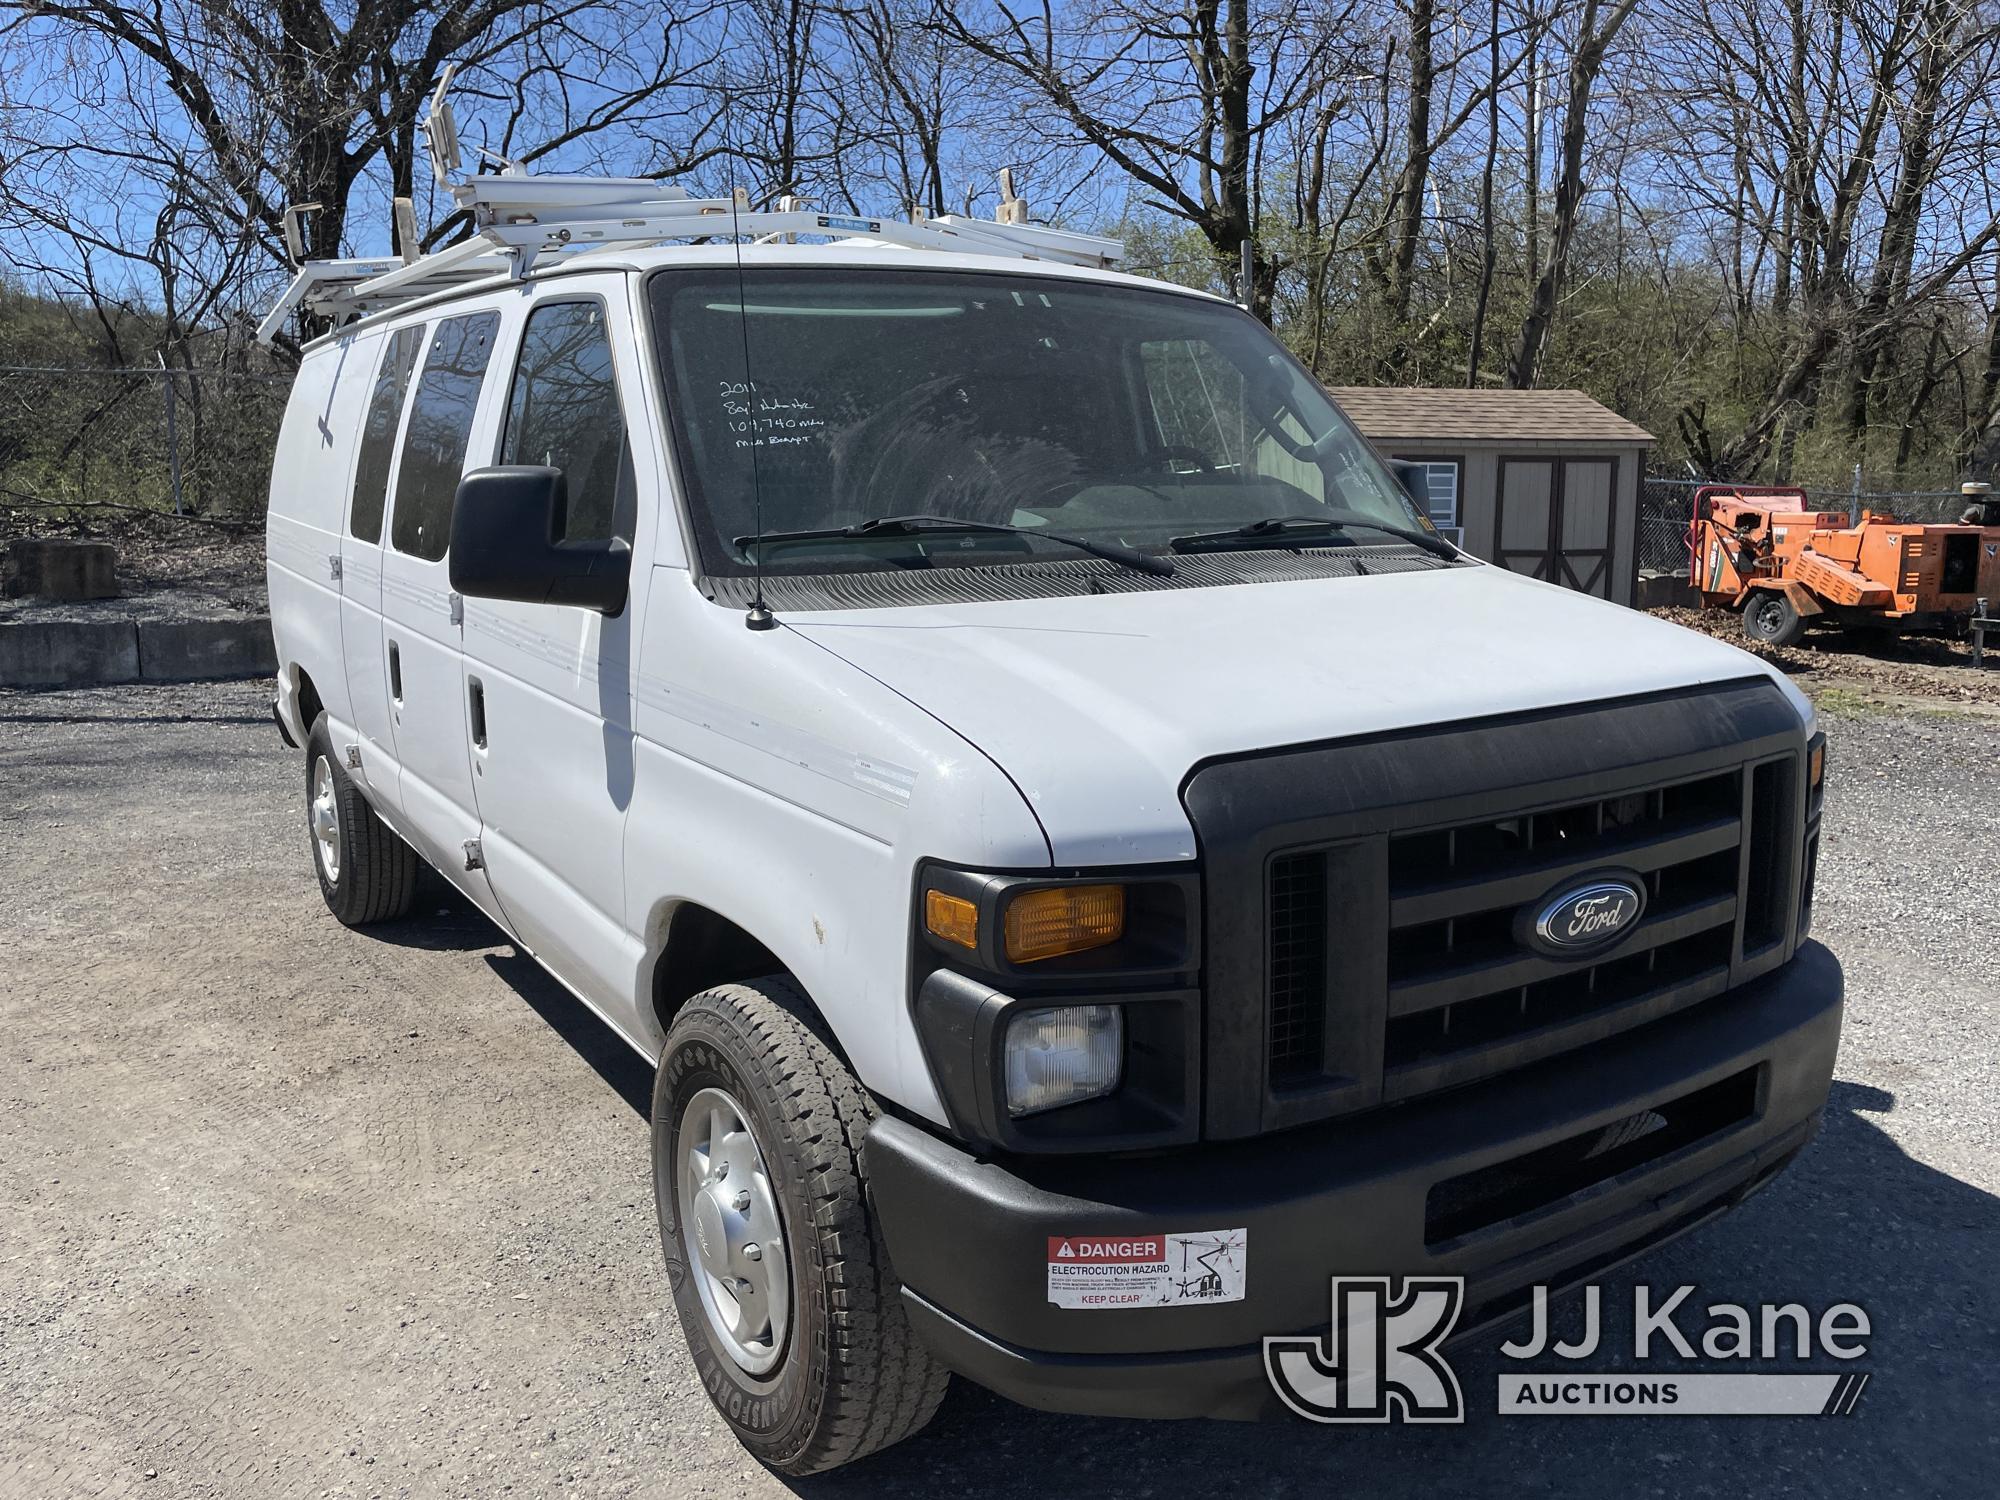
[1596, 28]
[1181, 98]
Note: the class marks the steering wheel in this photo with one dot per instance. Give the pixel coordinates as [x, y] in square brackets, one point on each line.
[1202, 463]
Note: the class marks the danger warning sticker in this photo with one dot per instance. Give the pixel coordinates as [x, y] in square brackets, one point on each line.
[1147, 1270]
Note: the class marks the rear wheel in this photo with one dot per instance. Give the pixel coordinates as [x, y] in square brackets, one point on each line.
[1770, 617]
[790, 1308]
[366, 873]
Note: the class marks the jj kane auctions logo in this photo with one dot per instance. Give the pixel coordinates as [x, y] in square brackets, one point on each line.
[1382, 1359]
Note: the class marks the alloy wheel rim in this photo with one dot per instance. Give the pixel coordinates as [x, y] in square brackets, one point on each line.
[324, 818]
[732, 1233]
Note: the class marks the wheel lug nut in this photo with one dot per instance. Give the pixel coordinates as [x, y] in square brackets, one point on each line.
[742, 1201]
[753, 1252]
[721, 1171]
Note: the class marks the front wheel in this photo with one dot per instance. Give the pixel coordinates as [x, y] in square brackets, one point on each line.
[1772, 618]
[790, 1308]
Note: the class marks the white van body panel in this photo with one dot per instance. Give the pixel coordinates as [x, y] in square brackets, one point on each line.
[1084, 700]
[794, 795]
[361, 642]
[553, 784]
[310, 475]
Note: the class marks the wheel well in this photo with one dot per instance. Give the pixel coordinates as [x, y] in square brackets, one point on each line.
[308, 699]
[703, 948]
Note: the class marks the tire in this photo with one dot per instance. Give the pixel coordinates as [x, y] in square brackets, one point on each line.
[1771, 618]
[845, 1375]
[366, 873]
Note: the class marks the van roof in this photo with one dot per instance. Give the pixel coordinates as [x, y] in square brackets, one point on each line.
[535, 226]
[847, 253]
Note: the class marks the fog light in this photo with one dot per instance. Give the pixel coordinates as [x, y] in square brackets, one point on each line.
[1063, 1056]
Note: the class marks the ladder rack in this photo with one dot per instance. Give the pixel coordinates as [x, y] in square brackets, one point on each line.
[519, 218]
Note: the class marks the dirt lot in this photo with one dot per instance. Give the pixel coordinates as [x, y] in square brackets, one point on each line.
[1915, 671]
[167, 570]
[290, 1210]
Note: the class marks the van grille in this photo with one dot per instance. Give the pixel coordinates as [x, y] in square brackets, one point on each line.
[1296, 1015]
[1365, 900]
[1466, 999]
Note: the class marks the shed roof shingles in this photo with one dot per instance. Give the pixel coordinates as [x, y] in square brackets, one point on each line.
[1484, 415]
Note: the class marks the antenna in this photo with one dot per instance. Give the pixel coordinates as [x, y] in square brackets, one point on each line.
[441, 132]
[760, 617]
[406, 231]
[295, 234]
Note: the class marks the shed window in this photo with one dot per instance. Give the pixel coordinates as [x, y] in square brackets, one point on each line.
[1441, 484]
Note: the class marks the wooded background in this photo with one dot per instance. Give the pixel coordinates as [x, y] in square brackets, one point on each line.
[1766, 230]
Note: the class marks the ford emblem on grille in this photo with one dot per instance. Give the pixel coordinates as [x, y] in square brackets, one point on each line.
[1586, 917]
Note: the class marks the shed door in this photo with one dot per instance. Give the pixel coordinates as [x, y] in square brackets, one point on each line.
[1556, 520]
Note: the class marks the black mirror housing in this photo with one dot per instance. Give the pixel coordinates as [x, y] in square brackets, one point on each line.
[504, 528]
[1415, 480]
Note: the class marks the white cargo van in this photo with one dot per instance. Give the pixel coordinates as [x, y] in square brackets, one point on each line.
[1088, 862]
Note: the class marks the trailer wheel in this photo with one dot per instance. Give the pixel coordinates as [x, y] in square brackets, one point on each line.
[1771, 618]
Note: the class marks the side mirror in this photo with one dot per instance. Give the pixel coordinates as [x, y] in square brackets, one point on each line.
[1415, 480]
[504, 529]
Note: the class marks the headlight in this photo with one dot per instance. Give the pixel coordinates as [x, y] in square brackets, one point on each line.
[1063, 1055]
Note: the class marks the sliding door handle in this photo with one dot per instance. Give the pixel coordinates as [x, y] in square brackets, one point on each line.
[395, 673]
[475, 703]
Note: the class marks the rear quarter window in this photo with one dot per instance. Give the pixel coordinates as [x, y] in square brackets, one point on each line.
[378, 432]
[439, 433]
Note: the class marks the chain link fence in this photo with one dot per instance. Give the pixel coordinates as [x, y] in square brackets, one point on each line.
[191, 442]
[1666, 510]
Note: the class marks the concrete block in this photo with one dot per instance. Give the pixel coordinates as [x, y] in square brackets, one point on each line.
[190, 650]
[53, 568]
[68, 653]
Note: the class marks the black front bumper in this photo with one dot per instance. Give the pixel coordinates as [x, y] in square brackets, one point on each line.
[969, 1237]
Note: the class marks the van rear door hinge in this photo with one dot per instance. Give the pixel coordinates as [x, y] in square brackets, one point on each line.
[457, 602]
[475, 858]
[353, 757]
[333, 567]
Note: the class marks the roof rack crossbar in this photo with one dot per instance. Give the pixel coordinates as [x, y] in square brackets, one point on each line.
[523, 218]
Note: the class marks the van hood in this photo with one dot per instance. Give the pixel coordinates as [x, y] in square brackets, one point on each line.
[1099, 706]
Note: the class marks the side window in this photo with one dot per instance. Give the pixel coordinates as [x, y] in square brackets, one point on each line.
[563, 412]
[1205, 415]
[378, 432]
[439, 432]
[1197, 402]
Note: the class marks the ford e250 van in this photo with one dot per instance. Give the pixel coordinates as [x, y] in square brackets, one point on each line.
[1088, 863]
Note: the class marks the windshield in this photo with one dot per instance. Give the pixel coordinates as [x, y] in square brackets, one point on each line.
[1121, 415]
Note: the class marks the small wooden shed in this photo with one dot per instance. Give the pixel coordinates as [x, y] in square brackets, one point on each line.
[1543, 482]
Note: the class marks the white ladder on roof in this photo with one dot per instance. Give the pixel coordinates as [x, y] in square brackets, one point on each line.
[520, 217]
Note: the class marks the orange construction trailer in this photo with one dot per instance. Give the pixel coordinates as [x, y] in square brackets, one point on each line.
[1767, 555]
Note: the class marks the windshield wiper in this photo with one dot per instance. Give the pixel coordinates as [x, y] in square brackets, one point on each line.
[1292, 531]
[1144, 562]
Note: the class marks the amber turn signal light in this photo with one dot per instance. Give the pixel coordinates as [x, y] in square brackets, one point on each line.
[1816, 765]
[1061, 919]
[952, 918]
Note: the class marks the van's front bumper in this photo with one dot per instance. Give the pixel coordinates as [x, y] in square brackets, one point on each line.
[969, 1237]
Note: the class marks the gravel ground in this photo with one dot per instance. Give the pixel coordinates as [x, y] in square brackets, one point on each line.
[291, 1210]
